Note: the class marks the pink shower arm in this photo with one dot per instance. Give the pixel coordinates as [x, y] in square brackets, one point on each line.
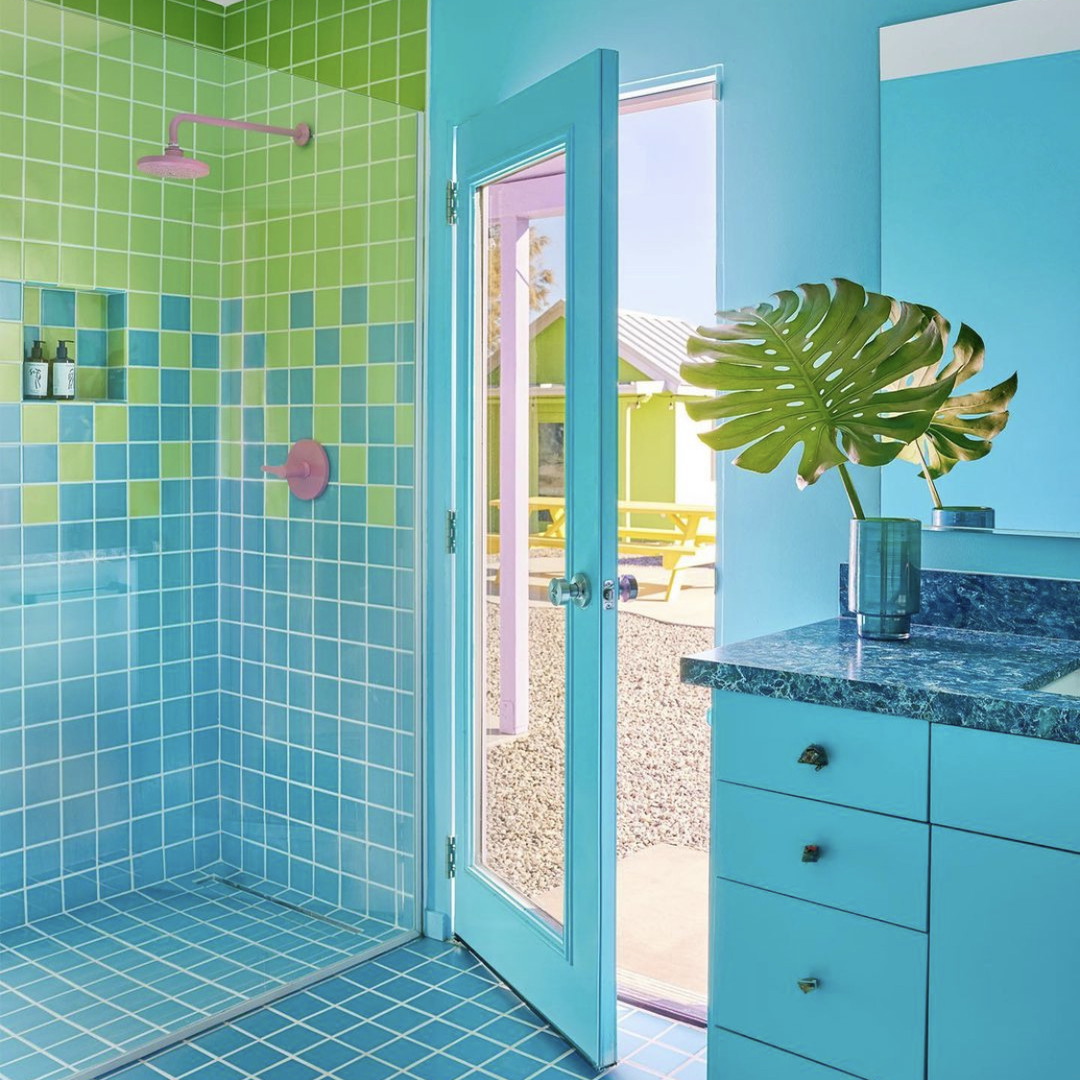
[300, 134]
[288, 472]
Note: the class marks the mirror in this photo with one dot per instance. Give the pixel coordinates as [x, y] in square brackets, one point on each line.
[980, 218]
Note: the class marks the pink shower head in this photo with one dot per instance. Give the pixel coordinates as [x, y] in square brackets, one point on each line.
[175, 164]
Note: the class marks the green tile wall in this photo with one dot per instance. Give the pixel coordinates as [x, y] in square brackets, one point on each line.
[375, 47]
[200, 22]
[80, 100]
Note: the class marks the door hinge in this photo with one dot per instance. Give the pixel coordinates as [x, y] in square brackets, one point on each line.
[451, 856]
[451, 202]
[451, 531]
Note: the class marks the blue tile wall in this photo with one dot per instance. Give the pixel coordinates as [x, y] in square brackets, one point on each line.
[316, 599]
[998, 603]
[109, 718]
[205, 686]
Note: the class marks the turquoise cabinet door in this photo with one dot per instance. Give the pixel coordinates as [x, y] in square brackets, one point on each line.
[869, 864]
[873, 762]
[1004, 959]
[867, 1012]
[536, 288]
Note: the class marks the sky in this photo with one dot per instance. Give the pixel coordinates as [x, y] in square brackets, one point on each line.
[667, 214]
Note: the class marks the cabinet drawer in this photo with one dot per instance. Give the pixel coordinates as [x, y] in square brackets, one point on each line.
[874, 762]
[734, 1057]
[867, 863]
[867, 1017]
[1007, 785]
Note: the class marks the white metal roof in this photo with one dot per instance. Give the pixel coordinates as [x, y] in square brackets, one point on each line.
[654, 344]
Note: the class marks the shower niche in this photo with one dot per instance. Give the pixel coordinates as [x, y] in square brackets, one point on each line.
[92, 326]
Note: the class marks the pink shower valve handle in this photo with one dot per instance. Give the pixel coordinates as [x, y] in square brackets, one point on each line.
[307, 469]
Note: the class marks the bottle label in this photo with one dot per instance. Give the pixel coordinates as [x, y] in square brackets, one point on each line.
[36, 379]
[63, 379]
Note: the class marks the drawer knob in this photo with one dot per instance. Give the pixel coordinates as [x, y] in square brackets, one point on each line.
[806, 985]
[814, 755]
[811, 853]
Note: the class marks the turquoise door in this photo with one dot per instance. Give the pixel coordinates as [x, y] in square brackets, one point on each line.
[534, 887]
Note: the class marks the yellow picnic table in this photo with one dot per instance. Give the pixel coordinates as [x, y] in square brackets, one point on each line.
[680, 545]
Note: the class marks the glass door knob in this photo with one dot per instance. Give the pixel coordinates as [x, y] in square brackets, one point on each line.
[575, 591]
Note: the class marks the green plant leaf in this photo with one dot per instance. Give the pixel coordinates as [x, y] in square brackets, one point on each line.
[815, 368]
[965, 425]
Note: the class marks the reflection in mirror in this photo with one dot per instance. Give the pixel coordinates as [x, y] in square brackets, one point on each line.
[980, 176]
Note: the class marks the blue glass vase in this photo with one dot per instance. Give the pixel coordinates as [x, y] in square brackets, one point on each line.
[883, 584]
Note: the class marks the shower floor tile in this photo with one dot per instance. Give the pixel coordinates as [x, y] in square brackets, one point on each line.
[425, 1011]
[79, 988]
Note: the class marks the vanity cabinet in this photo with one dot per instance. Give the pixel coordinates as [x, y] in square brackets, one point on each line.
[1004, 959]
[892, 899]
[1004, 907]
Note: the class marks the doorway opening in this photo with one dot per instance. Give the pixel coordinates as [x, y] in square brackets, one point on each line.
[668, 244]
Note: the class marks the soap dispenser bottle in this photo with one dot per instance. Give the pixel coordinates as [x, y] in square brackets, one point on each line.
[63, 373]
[36, 373]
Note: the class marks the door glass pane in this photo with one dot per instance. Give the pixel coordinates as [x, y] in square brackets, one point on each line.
[521, 517]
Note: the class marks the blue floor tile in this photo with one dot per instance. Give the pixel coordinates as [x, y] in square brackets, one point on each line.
[424, 1011]
[78, 989]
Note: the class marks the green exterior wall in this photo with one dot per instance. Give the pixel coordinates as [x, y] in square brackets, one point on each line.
[652, 450]
[652, 457]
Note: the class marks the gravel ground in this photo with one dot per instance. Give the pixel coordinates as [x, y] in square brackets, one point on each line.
[663, 774]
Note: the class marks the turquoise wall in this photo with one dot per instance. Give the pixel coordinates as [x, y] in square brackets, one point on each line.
[800, 197]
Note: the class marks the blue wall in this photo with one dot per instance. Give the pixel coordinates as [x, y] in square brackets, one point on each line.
[800, 197]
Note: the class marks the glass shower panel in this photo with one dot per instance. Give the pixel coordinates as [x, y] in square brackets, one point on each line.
[207, 732]
[319, 256]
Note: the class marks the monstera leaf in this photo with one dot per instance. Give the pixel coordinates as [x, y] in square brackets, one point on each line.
[964, 425]
[814, 368]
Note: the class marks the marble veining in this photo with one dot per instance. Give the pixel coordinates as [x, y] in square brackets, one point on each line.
[1000, 603]
[945, 675]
